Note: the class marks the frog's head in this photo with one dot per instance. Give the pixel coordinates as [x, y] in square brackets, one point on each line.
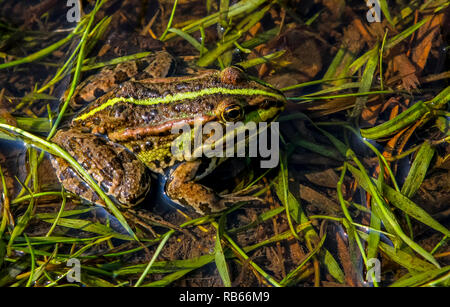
[243, 98]
[234, 100]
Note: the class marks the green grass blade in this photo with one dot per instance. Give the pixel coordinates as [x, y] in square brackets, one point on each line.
[418, 170]
[221, 262]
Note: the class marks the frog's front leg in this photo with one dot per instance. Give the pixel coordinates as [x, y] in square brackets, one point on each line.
[118, 171]
[182, 188]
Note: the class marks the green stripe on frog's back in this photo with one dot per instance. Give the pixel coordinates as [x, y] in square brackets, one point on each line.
[179, 97]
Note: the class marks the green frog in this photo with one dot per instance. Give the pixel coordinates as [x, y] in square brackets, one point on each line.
[124, 133]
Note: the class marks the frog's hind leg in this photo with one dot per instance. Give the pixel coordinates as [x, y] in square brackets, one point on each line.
[118, 171]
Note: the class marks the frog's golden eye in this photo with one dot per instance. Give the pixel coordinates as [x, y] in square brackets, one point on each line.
[232, 113]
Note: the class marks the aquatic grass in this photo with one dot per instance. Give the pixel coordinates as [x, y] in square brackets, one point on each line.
[310, 234]
[60, 212]
[365, 84]
[242, 7]
[46, 51]
[164, 240]
[58, 151]
[219, 254]
[291, 277]
[415, 280]
[394, 197]
[418, 169]
[229, 39]
[420, 111]
[115, 273]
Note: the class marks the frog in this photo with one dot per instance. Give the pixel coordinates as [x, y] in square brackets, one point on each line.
[122, 133]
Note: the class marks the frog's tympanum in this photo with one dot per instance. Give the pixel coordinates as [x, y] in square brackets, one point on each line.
[124, 130]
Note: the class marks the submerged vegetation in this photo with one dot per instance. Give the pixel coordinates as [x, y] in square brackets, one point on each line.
[364, 157]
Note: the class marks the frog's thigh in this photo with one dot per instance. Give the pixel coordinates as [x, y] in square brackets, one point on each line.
[181, 187]
[118, 171]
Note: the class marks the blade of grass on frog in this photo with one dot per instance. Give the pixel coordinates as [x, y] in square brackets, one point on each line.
[221, 262]
[418, 170]
[58, 151]
[416, 280]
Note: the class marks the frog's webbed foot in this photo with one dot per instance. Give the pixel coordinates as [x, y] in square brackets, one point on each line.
[182, 189]
[118, 172]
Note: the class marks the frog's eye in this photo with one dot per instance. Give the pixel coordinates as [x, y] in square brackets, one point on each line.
[232, 113]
